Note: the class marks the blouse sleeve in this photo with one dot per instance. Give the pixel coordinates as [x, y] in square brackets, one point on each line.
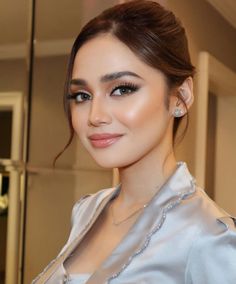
[212, 259]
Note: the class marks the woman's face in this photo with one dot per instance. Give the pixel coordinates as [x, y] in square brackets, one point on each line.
[119, 106]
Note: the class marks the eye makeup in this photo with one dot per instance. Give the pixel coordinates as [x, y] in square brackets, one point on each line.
[121, 89]
[125, 88]
[79, 96]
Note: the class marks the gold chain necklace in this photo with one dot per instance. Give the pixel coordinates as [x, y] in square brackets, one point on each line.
[117, 223]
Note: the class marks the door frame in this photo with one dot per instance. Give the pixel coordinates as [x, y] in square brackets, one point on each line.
[213, 77]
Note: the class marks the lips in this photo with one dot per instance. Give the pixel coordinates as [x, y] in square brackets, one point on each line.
[103, 140]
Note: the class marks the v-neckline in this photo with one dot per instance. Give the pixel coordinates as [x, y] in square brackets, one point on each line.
[92, 220]
[109, 267]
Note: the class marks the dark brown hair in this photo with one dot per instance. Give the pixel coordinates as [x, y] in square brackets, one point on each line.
[153, 33]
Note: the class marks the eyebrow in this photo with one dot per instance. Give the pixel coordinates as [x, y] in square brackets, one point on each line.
[105, 78]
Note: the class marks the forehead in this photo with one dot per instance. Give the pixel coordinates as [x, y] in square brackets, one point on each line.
[107, 54]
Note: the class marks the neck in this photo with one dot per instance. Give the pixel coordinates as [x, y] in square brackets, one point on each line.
[141, 180]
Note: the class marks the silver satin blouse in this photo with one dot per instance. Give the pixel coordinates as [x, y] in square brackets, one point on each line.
[78, 278]
[181, 237]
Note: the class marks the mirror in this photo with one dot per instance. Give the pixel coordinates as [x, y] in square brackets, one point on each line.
[51, 193]
[14, 40]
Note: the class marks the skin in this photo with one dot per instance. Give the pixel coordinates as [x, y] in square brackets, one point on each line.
[143, 155]
[142, 117]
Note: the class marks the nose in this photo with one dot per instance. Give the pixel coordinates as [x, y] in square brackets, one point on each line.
[99, 113]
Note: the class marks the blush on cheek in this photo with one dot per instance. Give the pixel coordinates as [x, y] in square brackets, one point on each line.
[140, 112]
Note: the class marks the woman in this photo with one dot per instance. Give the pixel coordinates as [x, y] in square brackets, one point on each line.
[128, 86]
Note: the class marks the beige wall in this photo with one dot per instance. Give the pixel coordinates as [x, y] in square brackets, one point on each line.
[48, 131]
[207, 31]
[225, 181]
[13, 76]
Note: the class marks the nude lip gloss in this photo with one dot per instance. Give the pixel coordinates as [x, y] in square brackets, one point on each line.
[104, 140]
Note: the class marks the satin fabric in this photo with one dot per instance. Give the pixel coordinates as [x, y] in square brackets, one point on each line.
[78, 278]
[182, 236]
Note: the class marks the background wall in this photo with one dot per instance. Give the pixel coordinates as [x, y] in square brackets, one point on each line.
[225, 181]
[208, 31]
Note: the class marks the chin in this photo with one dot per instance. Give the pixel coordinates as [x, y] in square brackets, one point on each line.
[107, 163]
[114, 160]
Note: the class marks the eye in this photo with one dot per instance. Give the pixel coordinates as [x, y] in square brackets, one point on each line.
[124, 89]
[79, 97]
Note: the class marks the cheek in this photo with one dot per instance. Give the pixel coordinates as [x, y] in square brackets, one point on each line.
[78, 120]
[138, 113]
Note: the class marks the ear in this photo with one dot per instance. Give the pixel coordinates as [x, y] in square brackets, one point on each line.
[183, 98]
[186, 92]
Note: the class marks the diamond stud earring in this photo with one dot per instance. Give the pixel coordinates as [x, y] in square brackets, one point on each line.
[178, 112]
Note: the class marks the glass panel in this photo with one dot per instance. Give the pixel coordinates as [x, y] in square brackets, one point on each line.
[14, 39]
[52, 193]
[225, 181]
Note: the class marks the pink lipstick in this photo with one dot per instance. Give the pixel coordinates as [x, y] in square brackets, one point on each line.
[104, 140]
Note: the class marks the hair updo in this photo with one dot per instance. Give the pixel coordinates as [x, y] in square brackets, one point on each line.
[151, 32]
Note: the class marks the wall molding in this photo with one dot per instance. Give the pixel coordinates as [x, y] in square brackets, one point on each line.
[227, 9]
[42, 49]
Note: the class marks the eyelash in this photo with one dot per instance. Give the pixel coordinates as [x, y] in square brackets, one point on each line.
[131, 87]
